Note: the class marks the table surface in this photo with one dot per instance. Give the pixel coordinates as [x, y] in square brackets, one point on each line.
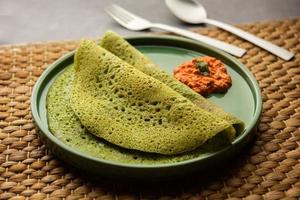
[34, 20]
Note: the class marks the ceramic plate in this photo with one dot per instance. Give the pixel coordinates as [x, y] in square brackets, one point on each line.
[243, 100]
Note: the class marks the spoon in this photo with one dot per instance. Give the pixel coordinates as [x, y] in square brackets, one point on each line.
[191, 11]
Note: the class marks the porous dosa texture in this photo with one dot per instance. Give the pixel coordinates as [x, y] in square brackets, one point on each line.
[117, 45]
[66, 126]
[124, 106]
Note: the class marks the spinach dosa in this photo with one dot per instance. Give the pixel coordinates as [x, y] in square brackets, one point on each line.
[124, 106]
[121, 48]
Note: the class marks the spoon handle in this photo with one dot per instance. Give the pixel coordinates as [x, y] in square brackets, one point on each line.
[276, 50]
[234, 50]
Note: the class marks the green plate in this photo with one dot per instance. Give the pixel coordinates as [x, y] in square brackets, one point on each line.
[243, 100]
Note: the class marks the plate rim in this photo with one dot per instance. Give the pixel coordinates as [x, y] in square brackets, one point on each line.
[46, 132]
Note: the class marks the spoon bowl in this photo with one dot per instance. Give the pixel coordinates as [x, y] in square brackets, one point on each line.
[195, 14]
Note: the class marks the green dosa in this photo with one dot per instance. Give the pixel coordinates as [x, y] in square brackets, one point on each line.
[128, 108]
[65, 125]
[121, 48]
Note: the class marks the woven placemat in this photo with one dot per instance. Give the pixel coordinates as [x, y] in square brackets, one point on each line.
[268, 169]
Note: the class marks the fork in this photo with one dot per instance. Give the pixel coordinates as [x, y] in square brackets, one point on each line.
[135, 23]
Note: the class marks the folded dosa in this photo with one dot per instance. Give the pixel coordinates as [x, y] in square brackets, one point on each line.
[125, 106]
[114, 43]
[66, 126]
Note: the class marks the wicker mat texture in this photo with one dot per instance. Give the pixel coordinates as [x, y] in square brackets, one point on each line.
[268, 169]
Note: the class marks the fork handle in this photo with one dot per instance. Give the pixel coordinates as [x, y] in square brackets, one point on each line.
[234, 50]
[276, 50]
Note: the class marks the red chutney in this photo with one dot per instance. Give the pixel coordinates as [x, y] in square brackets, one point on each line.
[215, 80]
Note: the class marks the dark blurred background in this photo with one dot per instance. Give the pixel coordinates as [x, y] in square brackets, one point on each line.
[23, 21]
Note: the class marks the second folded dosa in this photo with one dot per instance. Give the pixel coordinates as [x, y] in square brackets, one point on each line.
[117, 45]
